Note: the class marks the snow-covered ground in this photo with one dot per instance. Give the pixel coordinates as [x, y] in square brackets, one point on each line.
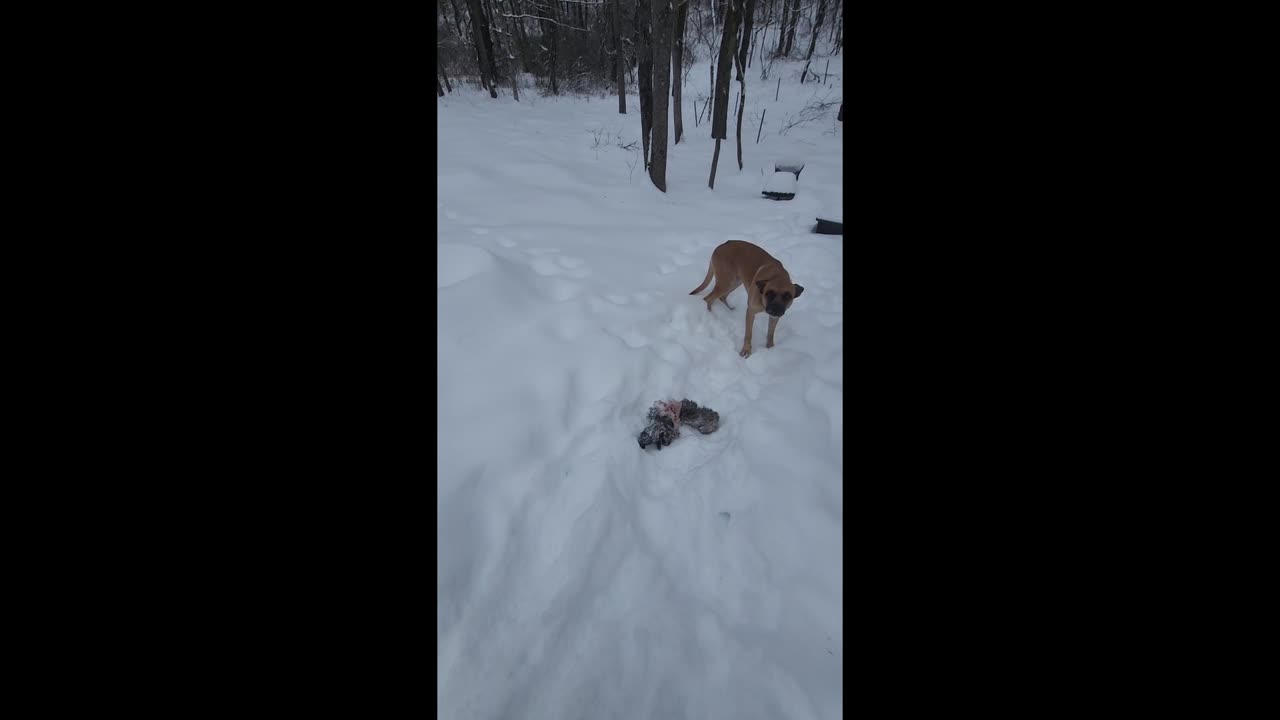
[580, 576]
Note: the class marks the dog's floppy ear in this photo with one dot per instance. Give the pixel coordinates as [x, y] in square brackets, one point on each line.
[799, 289]
[760, 285]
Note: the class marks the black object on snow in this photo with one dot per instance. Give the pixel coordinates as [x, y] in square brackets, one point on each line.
[829, 227]
[780, 186]
[703, 419]
[840, 117]
[666, 417]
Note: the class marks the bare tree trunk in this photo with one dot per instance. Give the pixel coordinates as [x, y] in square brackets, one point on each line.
[475, 45]
[645, 75]
[791, 32]
[486, 21]
[443, 74]
[840, 34]
[477, 23]
[605, 19]
[499, 50]
[457, 18]
[764, 39]
[728, 53]
[744, 46]
[549, 30]
[711, 71]
[439, 90]
[620, 57]
[742, 97]
[715, 160]
[513, 55]
[677, 69]
[522, 41]
[813, 39]
[444, 17]
[515, 74]
[782, 29]
[661, 82]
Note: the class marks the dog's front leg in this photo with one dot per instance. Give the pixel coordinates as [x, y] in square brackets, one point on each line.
[773, 323]
[746, 342]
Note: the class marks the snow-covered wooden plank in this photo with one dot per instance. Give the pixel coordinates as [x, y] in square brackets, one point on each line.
[791, 166]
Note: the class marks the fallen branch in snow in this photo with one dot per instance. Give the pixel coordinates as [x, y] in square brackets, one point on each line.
[632, 164]
[601, 138]
[815, 109]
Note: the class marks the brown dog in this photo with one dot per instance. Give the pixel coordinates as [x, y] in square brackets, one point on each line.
[769, 287]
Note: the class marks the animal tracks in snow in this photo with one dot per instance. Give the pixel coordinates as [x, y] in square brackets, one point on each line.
[672, 352]
[559, 289]
[574, 308]
[548, 262]
[546, 266]
[632, 337]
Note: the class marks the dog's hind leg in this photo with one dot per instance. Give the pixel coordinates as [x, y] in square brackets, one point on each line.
[726, 292]
[719, 292]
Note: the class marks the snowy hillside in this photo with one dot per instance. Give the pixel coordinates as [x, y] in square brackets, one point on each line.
[580, 576]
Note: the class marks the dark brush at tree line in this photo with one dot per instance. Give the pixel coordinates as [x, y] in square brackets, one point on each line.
[591, 46]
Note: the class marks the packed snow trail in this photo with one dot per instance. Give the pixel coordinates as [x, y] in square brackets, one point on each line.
[580, 576]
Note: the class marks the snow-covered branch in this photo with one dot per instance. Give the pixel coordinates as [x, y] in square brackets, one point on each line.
[539, 17]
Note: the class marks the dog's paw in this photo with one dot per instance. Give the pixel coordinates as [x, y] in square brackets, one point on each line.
[746, 351]
[768, 344]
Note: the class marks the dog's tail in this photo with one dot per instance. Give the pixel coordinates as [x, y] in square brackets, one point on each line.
[705, 281]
